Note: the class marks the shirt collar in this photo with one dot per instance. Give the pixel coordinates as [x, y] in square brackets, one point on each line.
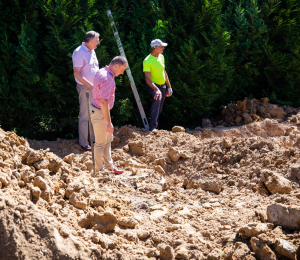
[110, 71]
[84, 47]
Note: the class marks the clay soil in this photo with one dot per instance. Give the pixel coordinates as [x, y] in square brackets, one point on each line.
[212, 193]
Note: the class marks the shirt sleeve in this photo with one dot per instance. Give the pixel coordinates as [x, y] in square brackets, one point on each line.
[146, 66]
[77, 59]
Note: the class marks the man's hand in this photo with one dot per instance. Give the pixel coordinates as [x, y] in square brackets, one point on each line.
[169, 92]
[109, 128]
[90, 86]
[157, 95]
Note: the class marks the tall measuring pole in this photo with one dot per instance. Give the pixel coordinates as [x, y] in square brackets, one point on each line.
[128, 71]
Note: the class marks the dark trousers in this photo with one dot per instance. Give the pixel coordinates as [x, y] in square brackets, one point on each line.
[157, 105]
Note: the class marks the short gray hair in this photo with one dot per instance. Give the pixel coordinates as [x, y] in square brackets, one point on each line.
[90, 36]
[120, 60]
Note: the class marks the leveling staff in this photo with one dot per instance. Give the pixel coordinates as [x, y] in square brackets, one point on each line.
[157, 79]
[103, 101]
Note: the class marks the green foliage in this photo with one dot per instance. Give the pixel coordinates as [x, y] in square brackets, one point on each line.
[218, 52]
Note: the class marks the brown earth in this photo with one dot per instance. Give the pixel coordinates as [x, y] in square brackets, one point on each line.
[252, 110]
[214, 193]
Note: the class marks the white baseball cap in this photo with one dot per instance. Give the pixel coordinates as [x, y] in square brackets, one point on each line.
[157, 42]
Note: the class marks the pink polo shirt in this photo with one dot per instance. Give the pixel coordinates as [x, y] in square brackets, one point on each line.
[104, 87]
[85, 59]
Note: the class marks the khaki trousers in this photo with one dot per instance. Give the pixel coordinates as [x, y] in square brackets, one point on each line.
[83, 122]
[102, 149]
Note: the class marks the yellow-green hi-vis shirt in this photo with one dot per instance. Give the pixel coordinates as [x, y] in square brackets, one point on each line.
[156, 67]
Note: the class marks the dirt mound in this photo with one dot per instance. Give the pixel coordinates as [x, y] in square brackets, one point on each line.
[253, 110]
[217, 193]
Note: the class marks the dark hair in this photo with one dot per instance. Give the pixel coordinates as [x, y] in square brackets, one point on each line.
[120, 60]
[90, 36]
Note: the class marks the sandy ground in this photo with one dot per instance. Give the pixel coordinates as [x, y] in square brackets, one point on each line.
[214, 193]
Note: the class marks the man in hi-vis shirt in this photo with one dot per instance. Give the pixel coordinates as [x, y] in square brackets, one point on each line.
[157, 80]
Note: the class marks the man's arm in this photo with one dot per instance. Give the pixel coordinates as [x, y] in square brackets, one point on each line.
[169, 91]
[106, 115]
[167, 80]
[84, 81]
[152, 85]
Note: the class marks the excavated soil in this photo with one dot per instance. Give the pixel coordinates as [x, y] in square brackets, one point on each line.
[212, 193]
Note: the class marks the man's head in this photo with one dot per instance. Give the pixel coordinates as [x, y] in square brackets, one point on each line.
[118, 65]
[158, 45]
[91, 39]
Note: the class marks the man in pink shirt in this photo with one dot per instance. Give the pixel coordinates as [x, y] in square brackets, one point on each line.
[85, 65]
[102, 103]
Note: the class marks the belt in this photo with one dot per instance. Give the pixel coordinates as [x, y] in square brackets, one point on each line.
[95, 106]
[160, 85]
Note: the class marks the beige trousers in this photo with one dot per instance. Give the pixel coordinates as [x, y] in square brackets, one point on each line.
[102, 149]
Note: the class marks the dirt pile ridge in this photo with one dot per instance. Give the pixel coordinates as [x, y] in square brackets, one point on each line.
[253, 110]
[215, 193]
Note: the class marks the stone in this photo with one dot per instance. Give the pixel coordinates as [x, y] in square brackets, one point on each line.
[178, 129]
[96, 237]
[160, 169]
[64, 231]
[174, 154]
[181, 252]
[43, 173]
[185, 155]
[212, 185]
[285, 248]
[126, 148]
[36, 192]
[161, 162]
[152, 252]
[240, 251]
[46, 195]
[4, 179]
[254, 229]
[142, 234]
[27, 175]
[22, 208]
[275, 183]
[166, 252]
[78, 200]
[73, 187]
[128, 222]
[287, 216]
[131, 236]
[54, 162]
[103, 222]
[262, 250]
[106, 242]
[226, 143]
[40, 182]
[136, 147]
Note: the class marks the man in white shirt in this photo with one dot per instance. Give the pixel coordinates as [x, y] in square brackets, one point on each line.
[85, 65]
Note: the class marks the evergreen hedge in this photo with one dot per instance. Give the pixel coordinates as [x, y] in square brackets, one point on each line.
[219, 52]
